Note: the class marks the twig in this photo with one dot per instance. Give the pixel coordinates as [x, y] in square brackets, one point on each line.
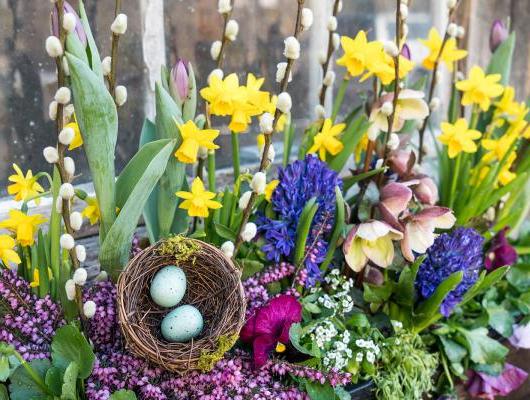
[114, 55]
[331, 49]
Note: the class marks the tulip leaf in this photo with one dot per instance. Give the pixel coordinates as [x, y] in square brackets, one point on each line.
[303, 228]
[93, 53]
[350, 138]
[501, 61]
[75, 47]
[340, 211]
[135, 185]
[190, 104]
[98, 122]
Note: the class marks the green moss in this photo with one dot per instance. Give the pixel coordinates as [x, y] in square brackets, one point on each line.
[180, 247]
[207, 360]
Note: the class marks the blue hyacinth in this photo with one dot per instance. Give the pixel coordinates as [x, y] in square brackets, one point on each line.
[299, 182]
[461, 250]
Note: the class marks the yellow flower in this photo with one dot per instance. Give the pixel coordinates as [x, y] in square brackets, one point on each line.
[270, 188]
[256, 98]
[497, 147]
[241, 118]
[192, 139]
[260, 139]
[480, 88]
[508, 108]
[78, 139]
[361, 146]
[224, 95]
[505, 174]
[383, 67]
[459, 137]
[326, 140]
[199, 200]
[7, 254]
[23, 225]
[450, 53]
[358, 53]
[91, 211]
[24, 187]
[36, 277]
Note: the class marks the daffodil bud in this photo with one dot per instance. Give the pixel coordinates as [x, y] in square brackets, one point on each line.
[404, 10]
[393, 142]
[216, 72]
[329, 78]
[106, 65]
[434, 104]
[66, 191]
[69, 21]
[232, 29]
[54, 47]
[244, 200]
[281, 69]
[307, 18]
[228, 249]
[69, 288]
[387, 108]
[452, 29]
[66, 241]
[335, 41]
[292, 48]
[461, 32]
[80, 253]
[51, 155]
[63, 95]
[76, 220]
[215, 50]
[284, 102]
[451, 4]
[332, 24]
[266, 122]
[66, 136]
[259, 182]
[52, 110]
[80, 276]
[224, 6]
[89, 309]
[391, 49]
[249, 231]
[66, 67]
[121, 95]
[119, 25]
[320, 111]
[69, 166]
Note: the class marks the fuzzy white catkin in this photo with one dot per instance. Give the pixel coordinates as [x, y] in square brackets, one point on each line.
[216, 72]
[69, 22]
[66, 136]
[66, 67]
[329, 79]
[52, 110]
[405, 30]
[320, 111]
[54, 47]
[340, 6]
[393, 141]
[259, 182]
[244, 199]
[284, 103]
[202, 153]
[68, 111]
[228, 248]
[224, 6]
[322, 58]
[379, 163]
[121, 95]
[232, 29]
[452, 29]
[391, 48]
[66, 241]
[435, 104]
[119, 25]
[271, 155]
[307, 18]
[106, 65]
[215, 50]
[249, 232]
[451, 4]
[281, 69]
[292, 48]
[66, 191]
[387, 108]
[80, 276]
[266, 122]
[404, 11]
[89, 309]
[69, 166]
[332, 24]
[51, 155]
[63, 95]
[69, 288]
[461, 32]
[76, 220]
[335, 41]
[59, 205]
[80, 253]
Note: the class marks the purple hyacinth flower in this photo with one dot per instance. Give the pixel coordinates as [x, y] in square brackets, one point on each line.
[498, 34]
[180, 78]
[483, 386]
[500, 253]
[79, 30]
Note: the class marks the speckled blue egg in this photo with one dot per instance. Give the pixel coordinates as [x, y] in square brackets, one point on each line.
[168, 286]
[182, 324]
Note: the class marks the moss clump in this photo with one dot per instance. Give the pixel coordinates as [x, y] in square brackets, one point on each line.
[208, 360]
[180, 247]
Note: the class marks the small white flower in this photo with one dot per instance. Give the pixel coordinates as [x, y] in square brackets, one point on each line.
[66, 191]
[307, 18]
[68, 111]
[393, 141]
[329, 79]
[387, 108]
[80, 253]
[292, 48]
[434, 104]
[281, 69]
[259, 182]
[370, 357]
[106, 65]
[66, 241]
[121, 95]
[51, 155]
[54, 47]
[52, 110]
[452, 29]
[102, 276]
[404, 11]
[216, 72]
[119, 25]
[244, 199]
[69, 22]
[89, 309]
[69, 287]
[228, 248]
[320, 111]
[461, 32]
[284, 103]
[66, 67]
[232, 29]
[266, 122]
[69, 166]
[332, 24]
[76, 220]
[63, 95]
[66, 136]
[335, 41]
[80, 276]
[451, 4]
[215, 50]
[249, 231]
[224, 6]
[59, 205]
[391, 48]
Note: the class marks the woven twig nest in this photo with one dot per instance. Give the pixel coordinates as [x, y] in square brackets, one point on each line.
[213, 286]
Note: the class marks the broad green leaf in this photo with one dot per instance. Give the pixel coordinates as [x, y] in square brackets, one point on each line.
[225, 232]
[501, 61]
[69, 388]
[148, 135]
[350, 138]
[454, 351]
[54, 380]
[519, 277]
[4, 394]
[75, 47]
[93, 53]
[377, 294]
[303, 228]
[181, 219]
[23, 387]
[501, 320]
[123, 395]
[483, 283]
[482, 349]
[295, 333]
[340, 210]
[352, 180]
[5, 371]
[98, 122]
[250, 267]
[318, 391]
[69, 345]
[405, 293]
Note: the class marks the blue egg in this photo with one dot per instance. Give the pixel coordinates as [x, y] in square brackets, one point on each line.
[168, 286]
[182, 324]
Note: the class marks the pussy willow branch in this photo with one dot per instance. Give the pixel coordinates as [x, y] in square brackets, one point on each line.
[434, 80]
[268, 136]
[114, 55]
[331, 49]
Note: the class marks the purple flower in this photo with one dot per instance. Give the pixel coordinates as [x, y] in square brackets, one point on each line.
[405, 52]
[500, 253]
[180, 79]
[79, 30]
[485, 386]
[498, 34]
[521, 336]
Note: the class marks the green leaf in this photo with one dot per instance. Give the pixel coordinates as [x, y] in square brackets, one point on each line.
[454, 351]
[150, 214]
[4, 395]
[123, 395]
[501, 320]
[318, 391]
[98, 121]
[519, 277]
[352, 180]
[405, 295]
[288, 139]
[250, 267]
[5, 371]
[482, 349]
[501, 60]
[377, 294]
[340, 210]
[69, 388]
[143, 171]
[54, 380]
[69, 345]
[295, 333]
[302, 230]
[95, 61]
[23, 387]
[484, 282]
[225, 232]
[358, 320]
[75, 47]
[350, 138]
[190, 104]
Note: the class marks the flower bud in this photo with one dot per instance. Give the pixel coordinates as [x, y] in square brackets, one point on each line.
[66, 241]
[54, 47]
[452, 29]
[329, 79]
[69, 166]
[284, 102]
[374, 276]
[59, 205]
[89, 309]
[266, 122]
[232, 29]
[106, 65]
[405, 52]
[203, 153]
[393, 141]
[434, 104]
[249, 232]
[69, 288]
[292, 48]
[121, 95]
[66, 191]
[258, 183]
[340, 6]
[224, 6]
[66, 136]
[281, 69]
[69, 22]
[391, 49]
[216, 72]
[244, 200]
[320, 112]
[215, 50]
[51, 155]
[228, 249]
[69, 11]
[76, 220]
[332, 24]
[426, 191]
[80, 253]
[307, 18]
[52, 110]
[498, 34]
[63, 95]
[119, 25]
[387, 108]
[180, 79]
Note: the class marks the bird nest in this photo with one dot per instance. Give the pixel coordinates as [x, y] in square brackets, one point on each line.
[213, 287]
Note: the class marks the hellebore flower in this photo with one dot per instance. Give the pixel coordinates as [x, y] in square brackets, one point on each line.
[180, 79]
[498, 34]
[426, 190]
[401, 161]
[79, 30]
[395, 198]
[483, 386]
[370, 241]
[521, 336]
[269, 327]
[500, 253]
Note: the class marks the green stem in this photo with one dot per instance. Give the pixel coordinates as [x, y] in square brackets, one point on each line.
[27, 270]
[340, 97]
[31, 372]
[474, 117]
[235, 154]
[447, 372]
[211, 171]
[454, 181]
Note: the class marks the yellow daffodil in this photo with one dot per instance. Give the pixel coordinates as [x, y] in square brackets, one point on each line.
[78, 139]
[23, 187]
[508, 108]
[519, 128]
[450, 53]
[91, 210]
[257, 98]
[359, 54]
[383, 66]
[23, 225]
[270, 188]
[36, 277]
[361, 146]
[459, 138]
[224, 95]
[505, 174]
[480, 88]
[241, 118]
[7, 253]
[497, 148]
[192, 139]
[326, 140]
[199, 200]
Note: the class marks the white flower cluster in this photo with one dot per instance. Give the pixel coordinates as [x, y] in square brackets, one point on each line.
[338, 300]
[340, 353]
[368, 350]
[323, 333]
